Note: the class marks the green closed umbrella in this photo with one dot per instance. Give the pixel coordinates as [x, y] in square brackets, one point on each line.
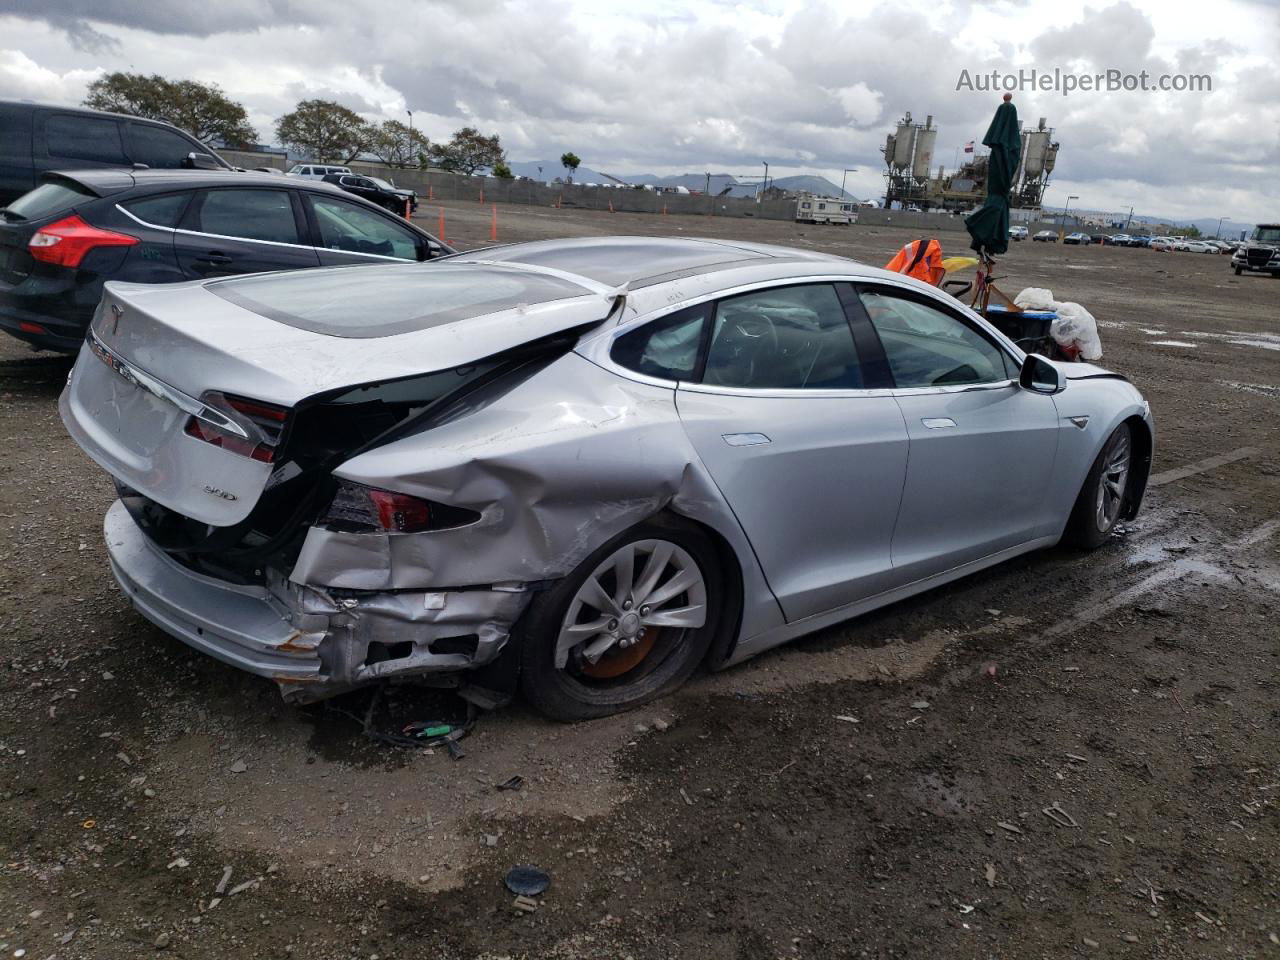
[989, 224]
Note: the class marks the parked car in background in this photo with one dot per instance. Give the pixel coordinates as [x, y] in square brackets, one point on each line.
[375, 190]
[1119, 240]
[411, 480]
[1017, 233]
[1046, 236]
[315, 171]
[1261, 254]
[36, 138]
[1082, 239]
[1163, 243]
[60, 242]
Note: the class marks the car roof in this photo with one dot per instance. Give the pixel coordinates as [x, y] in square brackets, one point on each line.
[639, 260]
[106, 181]
[90, 112]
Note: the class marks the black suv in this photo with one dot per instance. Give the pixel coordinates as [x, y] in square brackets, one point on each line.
[1261, 254]
[36, 138]
[375, 190]
[62, 241]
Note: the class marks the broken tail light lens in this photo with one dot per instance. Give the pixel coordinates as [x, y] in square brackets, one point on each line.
[263, 424]
[66, 242]
[357, 508]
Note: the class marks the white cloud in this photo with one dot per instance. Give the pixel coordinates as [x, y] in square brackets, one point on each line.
[720, 85]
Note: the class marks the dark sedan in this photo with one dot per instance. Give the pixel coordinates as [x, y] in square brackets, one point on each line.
[375, 190]
[63, 240]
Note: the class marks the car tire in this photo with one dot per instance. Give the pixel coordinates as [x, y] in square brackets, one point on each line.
[1106, 487]
[656, 662]
[1239, 271]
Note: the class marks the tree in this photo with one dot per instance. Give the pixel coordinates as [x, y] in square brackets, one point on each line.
[570, 162]
[502, 171]
[467, 152]
[202, 109]
[396, 145]
[324, 130]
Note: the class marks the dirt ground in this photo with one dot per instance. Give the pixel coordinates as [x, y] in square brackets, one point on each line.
[1067, 755]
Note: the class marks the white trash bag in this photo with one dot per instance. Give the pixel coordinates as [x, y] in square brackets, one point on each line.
[1074, 326]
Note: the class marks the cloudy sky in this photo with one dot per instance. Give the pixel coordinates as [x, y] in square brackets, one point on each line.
[715, 85]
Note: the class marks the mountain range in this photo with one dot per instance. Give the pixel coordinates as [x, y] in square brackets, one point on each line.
[718, 182]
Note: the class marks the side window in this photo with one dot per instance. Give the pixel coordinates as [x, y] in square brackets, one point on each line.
[788, 338]
[926, 347]
[667, 348]
[84, 138]
[163, 211]
[159, 148]
[347, 227]
[252, 214]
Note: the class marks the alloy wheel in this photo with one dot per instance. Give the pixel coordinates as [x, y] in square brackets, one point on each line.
[1112, 482]
[636, 604]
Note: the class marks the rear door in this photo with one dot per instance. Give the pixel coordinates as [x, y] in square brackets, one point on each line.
[806, 447]
[346, 232]
[231, 230]
[161, 148]
[982, 449]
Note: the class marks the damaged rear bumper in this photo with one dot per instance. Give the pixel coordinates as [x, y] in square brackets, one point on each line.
[311, 641]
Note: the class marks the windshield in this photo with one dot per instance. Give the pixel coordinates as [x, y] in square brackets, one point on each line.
[1267, 235]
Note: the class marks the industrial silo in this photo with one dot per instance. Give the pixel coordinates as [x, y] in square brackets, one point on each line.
[1037, 145]
[925, 138]
[889, 149]
[904, 144]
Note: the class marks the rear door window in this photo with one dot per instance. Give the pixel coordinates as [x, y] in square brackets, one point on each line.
[159, 148]
[250, 214]
[163, 211]
[75, 137]
[793, 338]
[353, 229]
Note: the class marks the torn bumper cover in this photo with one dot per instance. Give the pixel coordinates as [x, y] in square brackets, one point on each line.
[313, 642]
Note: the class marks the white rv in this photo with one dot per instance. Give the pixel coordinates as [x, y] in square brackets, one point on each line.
[811, 208]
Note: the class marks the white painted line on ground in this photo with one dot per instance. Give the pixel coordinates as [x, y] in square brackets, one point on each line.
[1200, 466]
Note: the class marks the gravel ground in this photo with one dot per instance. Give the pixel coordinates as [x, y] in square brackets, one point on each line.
[1067, 755]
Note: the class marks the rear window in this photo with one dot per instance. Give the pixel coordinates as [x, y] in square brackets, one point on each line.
[84, 138]
[159, 148]
[48, 199]
[252, 214]
[382, 301]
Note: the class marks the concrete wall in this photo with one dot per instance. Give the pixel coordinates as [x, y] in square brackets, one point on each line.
[439, 185]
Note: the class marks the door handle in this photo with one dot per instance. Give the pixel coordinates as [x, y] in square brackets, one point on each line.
[216, 257]
[938, 423]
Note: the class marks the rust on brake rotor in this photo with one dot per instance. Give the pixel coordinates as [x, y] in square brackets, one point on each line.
[619, 660]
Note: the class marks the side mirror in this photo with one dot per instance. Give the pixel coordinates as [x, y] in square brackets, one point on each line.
[201, 161]
[1040, 376]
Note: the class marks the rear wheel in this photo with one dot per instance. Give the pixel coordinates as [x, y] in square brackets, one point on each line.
[1098, 506]
[632, 622]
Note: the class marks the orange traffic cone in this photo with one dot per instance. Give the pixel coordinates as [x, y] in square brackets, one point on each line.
[440, 231]
[493, 225]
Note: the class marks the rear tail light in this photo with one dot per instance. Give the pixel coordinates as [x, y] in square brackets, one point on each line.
[357, 508]
[261, 423]
[66, 242]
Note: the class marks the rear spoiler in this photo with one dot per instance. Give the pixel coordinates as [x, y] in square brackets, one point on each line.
[101, 183]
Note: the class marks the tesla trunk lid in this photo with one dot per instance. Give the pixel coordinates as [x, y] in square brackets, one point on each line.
[155, 354]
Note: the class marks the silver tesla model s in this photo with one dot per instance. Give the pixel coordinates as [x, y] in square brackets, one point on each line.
[586, 467]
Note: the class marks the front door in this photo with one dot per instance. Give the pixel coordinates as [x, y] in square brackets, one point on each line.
[982, 449]
[810, 458]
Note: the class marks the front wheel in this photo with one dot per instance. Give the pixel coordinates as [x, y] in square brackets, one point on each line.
[1098, 505]
[1239, 271]
[632, 622]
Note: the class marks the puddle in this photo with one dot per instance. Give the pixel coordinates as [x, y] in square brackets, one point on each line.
[1262, 344]
[1153, 331]
[1140, 554]
[1261, 389]
[1172, 343]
